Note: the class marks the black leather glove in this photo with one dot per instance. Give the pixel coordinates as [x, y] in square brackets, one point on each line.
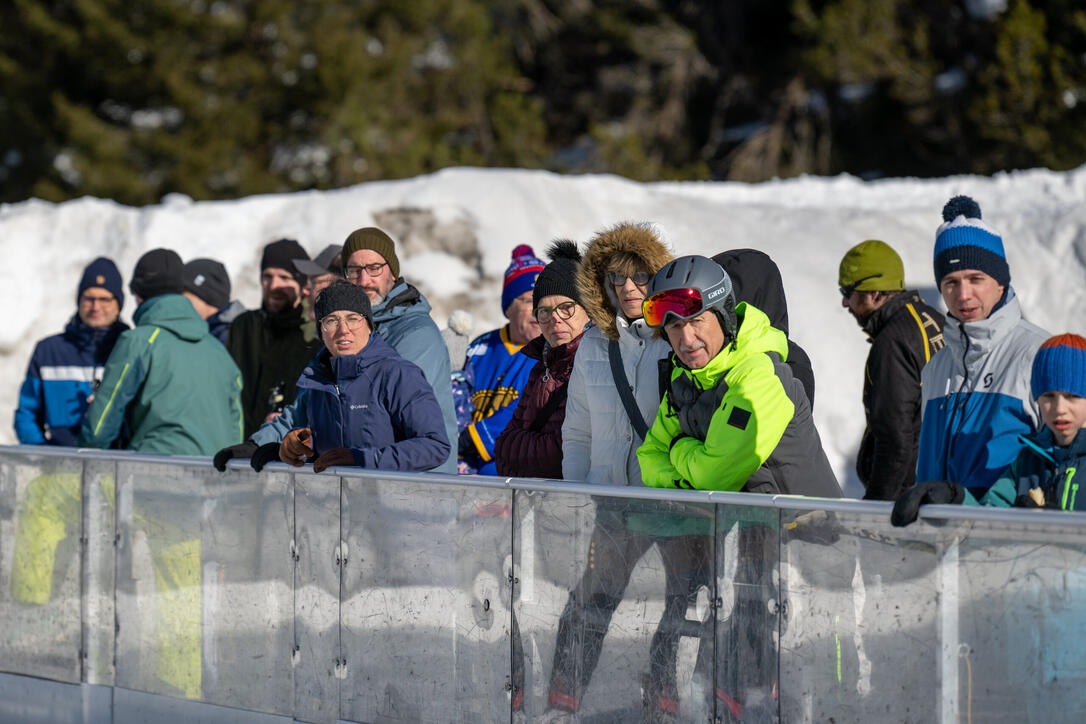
[244, 450]
[907, 505]
[266, 453]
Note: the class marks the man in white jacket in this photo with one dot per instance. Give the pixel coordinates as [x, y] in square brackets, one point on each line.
[600, 437]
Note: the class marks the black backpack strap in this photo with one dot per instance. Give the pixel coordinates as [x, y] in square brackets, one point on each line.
[625, 392]
[547, 411]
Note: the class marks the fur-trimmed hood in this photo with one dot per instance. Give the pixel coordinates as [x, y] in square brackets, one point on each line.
[643, 240]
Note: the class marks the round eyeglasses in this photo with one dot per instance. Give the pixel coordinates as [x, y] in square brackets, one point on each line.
[562, 311]
[331, 324]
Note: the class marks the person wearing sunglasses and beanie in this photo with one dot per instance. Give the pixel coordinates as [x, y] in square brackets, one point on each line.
[359, 403]
[904, 332]
[613, 390]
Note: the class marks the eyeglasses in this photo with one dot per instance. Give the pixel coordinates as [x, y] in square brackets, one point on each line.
[618, 279]
[354, 273]
[85, 299]
[847, 290]
[332, 324]
[562, 311]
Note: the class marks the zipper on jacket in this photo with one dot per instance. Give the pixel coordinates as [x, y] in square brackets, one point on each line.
[948, 451]
[1067, 487]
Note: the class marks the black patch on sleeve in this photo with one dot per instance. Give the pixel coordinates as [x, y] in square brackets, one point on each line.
[739, 418]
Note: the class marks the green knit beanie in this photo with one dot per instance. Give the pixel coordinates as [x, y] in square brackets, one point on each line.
[376, 240]
[872, 266]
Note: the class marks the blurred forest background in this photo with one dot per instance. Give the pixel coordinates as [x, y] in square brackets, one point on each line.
[225, 98]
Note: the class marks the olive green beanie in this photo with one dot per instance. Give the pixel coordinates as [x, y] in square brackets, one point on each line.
[872, 266]
[376, 240]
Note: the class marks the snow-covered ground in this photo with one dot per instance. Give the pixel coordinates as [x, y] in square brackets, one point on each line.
[457, 227]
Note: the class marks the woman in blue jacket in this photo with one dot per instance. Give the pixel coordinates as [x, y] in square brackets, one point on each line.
[359, 402]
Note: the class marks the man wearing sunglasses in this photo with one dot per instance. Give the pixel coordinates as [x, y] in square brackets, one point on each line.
[359, 403]
[904, 333]
[733, 416]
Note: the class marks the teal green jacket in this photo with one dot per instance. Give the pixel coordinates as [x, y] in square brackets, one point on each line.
[169, 386]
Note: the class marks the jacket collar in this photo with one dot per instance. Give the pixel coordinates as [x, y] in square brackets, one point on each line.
[878, 319]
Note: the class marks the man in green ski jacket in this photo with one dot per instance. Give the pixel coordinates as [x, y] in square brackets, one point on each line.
[169, 387]
[733, 416]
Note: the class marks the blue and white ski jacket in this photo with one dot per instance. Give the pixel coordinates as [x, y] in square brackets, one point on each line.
[976, 399]
[61, 375]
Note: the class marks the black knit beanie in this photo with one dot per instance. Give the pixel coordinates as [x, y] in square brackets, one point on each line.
[157, 272]
[560, 276]
[208, 280]
[281, 255]
[342, 296]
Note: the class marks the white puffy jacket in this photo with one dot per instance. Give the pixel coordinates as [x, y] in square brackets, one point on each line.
[599, 444]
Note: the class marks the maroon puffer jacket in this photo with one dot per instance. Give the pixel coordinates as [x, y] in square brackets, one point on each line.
[520, 452]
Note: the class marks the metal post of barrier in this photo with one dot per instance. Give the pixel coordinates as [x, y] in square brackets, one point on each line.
[948, 632]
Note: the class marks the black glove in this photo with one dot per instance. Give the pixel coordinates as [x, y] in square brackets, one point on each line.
[465, 445]
[1026, 501]
[908, 503]
[266, 453]
[244, 450]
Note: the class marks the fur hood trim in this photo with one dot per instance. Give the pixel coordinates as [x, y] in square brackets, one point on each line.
[644, 240]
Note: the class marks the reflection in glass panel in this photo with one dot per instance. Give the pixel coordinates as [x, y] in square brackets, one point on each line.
[1021, 623]
[425, 608]
[40, 566]
[204, 578]
[316, 652]
[99, 505]
[746, 686]
[861, 630]
[612, 606]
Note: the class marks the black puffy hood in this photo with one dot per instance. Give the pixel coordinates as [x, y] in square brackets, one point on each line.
[757, 281]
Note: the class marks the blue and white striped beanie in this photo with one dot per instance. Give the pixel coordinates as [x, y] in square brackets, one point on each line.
[963, 241]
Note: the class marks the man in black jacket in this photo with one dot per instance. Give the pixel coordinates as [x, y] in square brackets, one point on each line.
[904, 333]
[272, 345]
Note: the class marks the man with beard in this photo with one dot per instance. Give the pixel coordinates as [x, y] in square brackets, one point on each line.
[272, 345]
[401, 316]
[904, 333]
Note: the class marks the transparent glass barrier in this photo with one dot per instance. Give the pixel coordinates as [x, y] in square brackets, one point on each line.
[204, 585]
[41, 511]
[425, 608]
[744, 683]
[1019, 612]
[861, 633]
[316, 656]
[608, 622]
[99, 559]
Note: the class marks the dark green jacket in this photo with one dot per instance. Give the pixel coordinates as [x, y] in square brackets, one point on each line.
[168, 384]
[270, 349]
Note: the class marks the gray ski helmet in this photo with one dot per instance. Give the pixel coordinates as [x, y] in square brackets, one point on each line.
[708, 278]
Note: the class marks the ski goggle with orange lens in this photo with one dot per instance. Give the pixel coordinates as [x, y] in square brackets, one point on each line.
[679, 303]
